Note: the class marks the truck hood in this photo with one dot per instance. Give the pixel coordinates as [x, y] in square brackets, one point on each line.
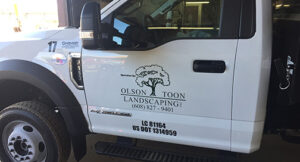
[23, 36]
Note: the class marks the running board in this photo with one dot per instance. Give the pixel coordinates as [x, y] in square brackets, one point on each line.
[145, 154]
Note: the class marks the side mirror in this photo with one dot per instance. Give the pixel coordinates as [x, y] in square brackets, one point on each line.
[90, 21]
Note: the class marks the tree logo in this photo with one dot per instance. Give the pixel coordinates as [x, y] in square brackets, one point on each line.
[151, 76]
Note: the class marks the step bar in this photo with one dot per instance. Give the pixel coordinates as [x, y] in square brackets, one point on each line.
[150, 155]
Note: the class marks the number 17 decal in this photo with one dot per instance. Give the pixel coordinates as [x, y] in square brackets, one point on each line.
[52, 46]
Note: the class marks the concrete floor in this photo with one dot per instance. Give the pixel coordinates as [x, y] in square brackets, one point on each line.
[273, 149]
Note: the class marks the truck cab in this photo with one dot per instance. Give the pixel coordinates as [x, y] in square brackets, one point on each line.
[206, 73]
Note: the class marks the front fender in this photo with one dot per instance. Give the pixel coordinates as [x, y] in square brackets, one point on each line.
[57, 91]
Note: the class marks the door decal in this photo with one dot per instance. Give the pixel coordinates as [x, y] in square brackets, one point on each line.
[154, 127]
[150, 97]
[151, 76]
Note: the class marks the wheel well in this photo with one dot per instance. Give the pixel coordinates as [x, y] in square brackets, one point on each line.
[22, 80]
[13, 91]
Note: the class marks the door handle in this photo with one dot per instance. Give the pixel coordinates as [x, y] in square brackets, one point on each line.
[209, 66]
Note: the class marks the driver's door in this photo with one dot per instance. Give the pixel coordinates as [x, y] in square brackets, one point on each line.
[169, 75]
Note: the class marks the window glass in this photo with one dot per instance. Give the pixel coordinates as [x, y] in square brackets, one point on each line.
[102, 3]
[148, 23]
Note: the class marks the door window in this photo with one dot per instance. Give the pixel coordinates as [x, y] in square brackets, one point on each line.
[144, 24]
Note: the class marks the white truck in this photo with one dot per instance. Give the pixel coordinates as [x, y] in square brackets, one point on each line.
[191, 72]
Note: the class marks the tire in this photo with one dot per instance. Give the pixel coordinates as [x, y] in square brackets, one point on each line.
[32, 131]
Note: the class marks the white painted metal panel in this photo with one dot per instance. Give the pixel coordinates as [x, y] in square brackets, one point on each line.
[111, 82]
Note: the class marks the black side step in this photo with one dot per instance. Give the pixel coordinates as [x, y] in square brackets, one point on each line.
[145, 154]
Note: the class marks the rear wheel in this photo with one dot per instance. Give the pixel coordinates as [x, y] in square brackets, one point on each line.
[31, 131]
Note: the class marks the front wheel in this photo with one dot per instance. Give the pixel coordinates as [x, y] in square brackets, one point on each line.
[33, 132]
